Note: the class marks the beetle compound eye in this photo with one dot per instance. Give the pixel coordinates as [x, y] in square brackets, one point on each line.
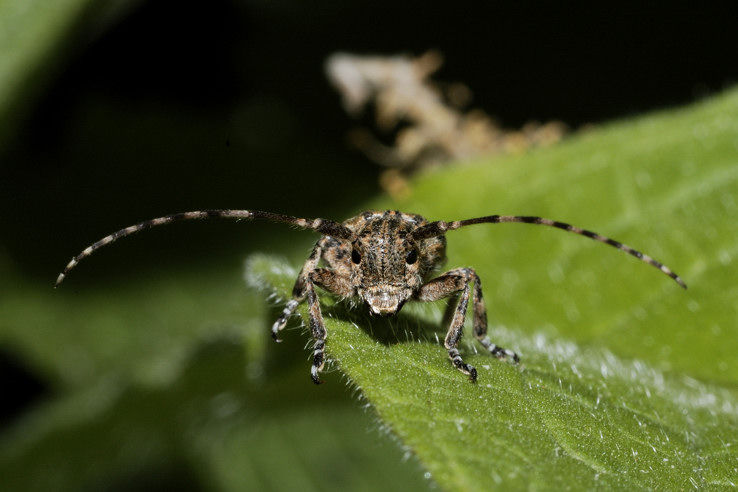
[355, 256]
[412, 256]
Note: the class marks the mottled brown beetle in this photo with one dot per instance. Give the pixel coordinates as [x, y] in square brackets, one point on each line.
[384, 258]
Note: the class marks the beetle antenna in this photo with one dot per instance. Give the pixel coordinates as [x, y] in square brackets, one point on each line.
[325, 227]
[439, 228]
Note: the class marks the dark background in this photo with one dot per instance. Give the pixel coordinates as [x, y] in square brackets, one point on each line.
[176, 105]
[186, 105]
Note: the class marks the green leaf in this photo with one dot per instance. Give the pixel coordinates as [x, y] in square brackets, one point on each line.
[175, 382]
[626, 380]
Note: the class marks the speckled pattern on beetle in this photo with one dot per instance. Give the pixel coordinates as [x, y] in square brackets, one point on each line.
[383, 258]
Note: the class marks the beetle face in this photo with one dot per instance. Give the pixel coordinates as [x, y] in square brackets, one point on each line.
[386, 266]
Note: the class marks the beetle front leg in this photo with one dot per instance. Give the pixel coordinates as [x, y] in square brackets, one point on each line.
[288, 311]
[305, 289]
[457, 283]
[334, 283]
[299, 290]
[317, 329]
[454, 335]
[448, 284]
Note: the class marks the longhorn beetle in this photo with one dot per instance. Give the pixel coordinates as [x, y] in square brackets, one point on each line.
[384, 258]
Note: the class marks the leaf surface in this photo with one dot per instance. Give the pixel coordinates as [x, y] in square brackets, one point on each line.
[625, 379]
